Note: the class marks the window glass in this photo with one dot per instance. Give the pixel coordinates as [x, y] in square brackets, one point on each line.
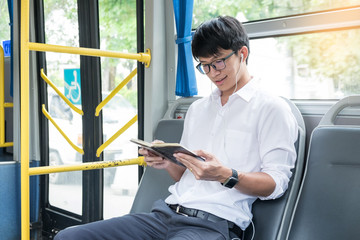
[118, 33]
[312, 66]
[61, 22]
[4, 21]
[255, 10]
[61, 28]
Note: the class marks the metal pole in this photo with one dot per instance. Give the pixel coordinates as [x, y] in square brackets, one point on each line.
[24, 122]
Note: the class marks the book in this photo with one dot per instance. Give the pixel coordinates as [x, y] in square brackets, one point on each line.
[166, 150]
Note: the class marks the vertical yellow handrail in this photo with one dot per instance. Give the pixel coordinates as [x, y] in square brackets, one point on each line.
[24, 122]
[2, 97]
[3, 104]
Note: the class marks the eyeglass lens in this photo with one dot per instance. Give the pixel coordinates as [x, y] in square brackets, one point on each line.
[217, 65]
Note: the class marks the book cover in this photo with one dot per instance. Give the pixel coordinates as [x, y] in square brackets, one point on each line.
[166, 150]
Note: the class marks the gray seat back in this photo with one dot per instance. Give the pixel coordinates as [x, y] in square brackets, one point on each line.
[271, 217]
[328, 206]
[154, 183]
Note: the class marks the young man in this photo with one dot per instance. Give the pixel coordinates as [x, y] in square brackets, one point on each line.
[246, 137]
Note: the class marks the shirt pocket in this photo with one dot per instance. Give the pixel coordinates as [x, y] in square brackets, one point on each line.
[238, 147]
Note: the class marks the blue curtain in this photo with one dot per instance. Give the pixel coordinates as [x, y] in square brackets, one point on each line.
[185, 76]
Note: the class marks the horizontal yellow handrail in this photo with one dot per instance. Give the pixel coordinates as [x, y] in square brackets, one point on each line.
[141, 57]
[8, 105]
[115, 91]
[7, 144]
[47, 115]
[48, 81]
[116, 135]
[85, 166]
[3, 104]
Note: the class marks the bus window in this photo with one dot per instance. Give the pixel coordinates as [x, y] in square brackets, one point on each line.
[118, 33]
[256, 10]
[311, 66]
[6, 153]
[4, 22]
[61, 28]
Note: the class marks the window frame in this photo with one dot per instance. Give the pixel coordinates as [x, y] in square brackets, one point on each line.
[304, 23]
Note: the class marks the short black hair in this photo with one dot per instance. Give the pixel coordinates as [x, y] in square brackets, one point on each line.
[222, 32]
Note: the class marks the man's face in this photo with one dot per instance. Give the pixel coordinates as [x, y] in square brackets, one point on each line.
[225, 79]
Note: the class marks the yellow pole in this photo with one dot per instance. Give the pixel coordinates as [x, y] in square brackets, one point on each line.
[116, 135]
[47, 115]
[86, 166]
[141, 57]
[24, 122]
[2, 97]
[3, 104]
[48, 81]
[115, 91]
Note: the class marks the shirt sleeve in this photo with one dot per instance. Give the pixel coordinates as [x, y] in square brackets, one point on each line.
[277, 132]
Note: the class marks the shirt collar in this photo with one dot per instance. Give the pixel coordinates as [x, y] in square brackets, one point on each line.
[246, 92]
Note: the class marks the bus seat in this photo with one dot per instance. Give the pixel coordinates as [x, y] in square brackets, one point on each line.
[271, 218]
[154, 183]
[327, 206]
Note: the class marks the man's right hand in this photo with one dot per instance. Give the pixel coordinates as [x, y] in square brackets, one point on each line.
[154, 160]
[159, 162]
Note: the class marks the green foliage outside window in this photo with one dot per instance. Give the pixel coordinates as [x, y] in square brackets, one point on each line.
[328, 55]
[4, 21]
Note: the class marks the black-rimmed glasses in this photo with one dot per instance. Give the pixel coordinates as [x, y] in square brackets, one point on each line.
[217, 65]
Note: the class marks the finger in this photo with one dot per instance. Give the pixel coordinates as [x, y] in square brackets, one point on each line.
[153, 159]
[143, 151]
[184, 157]
[203, 154]
[195, 162]
[187, 161]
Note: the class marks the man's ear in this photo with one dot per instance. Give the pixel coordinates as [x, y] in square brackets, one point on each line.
[243, 53]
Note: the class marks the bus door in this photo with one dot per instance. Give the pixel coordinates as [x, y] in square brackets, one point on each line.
[72, 198]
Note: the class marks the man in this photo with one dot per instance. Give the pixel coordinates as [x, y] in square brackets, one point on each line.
[246, 137]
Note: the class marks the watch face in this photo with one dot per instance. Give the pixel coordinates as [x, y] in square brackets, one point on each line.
[231, 181]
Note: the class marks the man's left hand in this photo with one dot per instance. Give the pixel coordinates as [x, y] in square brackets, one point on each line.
[211, 169]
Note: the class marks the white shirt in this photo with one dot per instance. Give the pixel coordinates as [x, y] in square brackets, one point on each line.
[252, 132]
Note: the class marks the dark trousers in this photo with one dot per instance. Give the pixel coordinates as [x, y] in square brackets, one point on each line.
[161, 223]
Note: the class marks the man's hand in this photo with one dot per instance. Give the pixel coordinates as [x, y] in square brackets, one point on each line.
[211, 169]
[154, 160]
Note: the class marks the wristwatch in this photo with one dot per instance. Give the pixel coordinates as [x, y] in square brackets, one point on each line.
[232, 180]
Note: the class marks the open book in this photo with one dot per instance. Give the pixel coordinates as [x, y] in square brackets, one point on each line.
[166, 149]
